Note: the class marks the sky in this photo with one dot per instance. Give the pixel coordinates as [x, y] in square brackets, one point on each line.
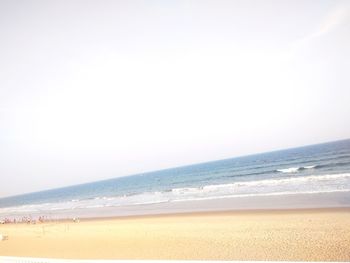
[91, 90]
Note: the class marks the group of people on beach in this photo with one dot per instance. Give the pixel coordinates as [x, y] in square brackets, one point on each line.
[24, 219]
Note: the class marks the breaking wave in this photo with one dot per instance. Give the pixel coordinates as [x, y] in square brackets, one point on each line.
[278, 186]
[296, 169]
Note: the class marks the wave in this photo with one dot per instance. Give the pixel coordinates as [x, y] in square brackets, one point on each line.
[251, 174]
[263, 187]
[318, 166]
[289, 170]
[101, 198]
[296, 169]
[265, 182]
[310, 167]
[267, 194]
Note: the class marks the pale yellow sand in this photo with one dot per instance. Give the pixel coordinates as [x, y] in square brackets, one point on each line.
[268, 235]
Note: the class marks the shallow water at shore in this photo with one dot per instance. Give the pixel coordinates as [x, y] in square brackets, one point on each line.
[263, 202]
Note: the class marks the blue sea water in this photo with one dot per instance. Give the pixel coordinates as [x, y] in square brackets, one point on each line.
[322, 168]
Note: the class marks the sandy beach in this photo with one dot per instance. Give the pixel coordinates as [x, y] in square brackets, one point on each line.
[311, 235]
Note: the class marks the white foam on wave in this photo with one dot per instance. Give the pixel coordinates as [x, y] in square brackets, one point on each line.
[289, 170]
[302, 184]
[265, 194]
[185, 190]
[310, 166]
[296, 169]
[309, 178]
[265, 187]
[265, 182]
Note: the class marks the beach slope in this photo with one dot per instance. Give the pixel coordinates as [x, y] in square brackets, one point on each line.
[308, 235]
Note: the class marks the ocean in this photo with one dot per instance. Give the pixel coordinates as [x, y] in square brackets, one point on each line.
[310, 170]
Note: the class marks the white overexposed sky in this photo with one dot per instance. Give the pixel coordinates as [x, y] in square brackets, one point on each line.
[91, 90]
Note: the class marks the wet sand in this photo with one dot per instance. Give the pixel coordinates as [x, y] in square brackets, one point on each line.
[308, 235]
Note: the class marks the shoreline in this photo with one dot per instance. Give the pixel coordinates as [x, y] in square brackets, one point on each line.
[236, 212]
[274, 202]
[320, 234]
